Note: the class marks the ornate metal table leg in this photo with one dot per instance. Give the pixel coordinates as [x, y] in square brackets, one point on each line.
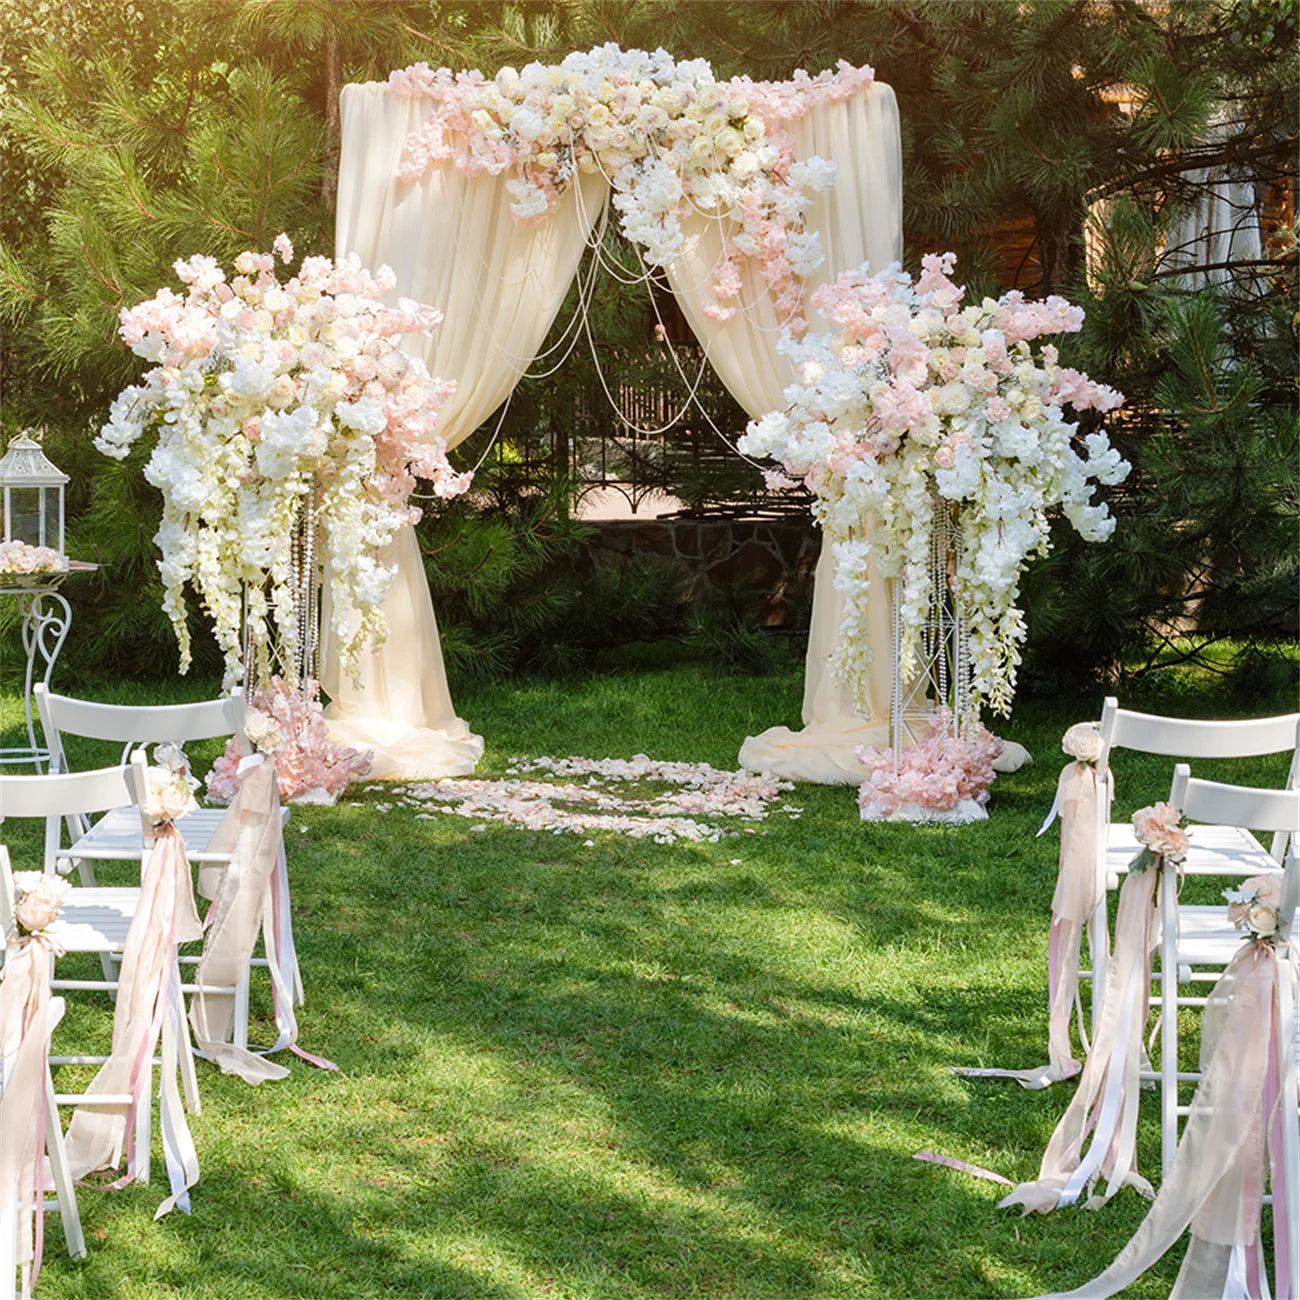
[47, 616]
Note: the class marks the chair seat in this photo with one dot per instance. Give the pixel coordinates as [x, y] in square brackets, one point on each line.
[1215, 851]
[95, 919]
[116, 836]
[1206, 937]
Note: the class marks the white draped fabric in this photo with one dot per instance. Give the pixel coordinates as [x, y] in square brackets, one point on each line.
[452, 242]
[860, 220]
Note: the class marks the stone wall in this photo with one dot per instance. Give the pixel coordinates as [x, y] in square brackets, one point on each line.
[773, 557]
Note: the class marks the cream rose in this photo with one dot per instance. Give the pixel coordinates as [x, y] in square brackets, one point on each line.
[1083, 742]
[40, 898]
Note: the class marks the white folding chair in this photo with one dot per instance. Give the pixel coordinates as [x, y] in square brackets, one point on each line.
[1288, 1051]
[115, 837]
[64, 1198]
[1226, 850]
[95, 919]
[1198, 941]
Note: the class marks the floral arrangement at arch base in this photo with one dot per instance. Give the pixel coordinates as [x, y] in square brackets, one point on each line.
[921, 405]
[289, 430]
[266, 398]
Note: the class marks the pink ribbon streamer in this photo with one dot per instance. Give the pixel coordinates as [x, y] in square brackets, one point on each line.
[147, 1010]
[250, 893]
[24, 1040]
[1073, 907]
[1216, 1182]
[1105, 1104]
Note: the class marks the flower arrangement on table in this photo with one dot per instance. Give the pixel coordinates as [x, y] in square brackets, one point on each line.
[922, 412]
[275, 403]
[670, 138]
[23, 560]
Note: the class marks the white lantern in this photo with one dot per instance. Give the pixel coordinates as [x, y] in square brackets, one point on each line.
[33, 495]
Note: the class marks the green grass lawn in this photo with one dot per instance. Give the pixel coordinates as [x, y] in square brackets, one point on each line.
[638, 1069]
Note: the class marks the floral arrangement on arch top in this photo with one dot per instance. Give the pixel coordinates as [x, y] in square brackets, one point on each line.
[669, 137]
[283, 411]
[921, 405]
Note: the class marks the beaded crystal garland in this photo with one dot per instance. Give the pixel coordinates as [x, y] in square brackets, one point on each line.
[290, 429]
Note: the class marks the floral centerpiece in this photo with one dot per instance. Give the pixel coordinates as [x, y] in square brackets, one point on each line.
[290, 429]
[23, 560]
[922, 413]
[670, 138]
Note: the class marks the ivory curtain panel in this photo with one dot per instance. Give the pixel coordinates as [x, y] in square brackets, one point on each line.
[452, 242]
[860, 219]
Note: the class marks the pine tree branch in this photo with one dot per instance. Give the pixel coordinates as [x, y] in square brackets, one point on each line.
[1232, 264]
[1194, 160]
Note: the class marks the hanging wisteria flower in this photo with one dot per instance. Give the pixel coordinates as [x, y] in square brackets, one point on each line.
[1256, 906]
[945, 778]
[668, 136]
[38, 899]
[288, 725]
[1082, 742]
[921, 407]
[275, 403]
[1159, 829]
[23, 558]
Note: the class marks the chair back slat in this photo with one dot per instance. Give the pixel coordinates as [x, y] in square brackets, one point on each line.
[140, 724]
[1196, 738]
[64, 793]
[1234, 805]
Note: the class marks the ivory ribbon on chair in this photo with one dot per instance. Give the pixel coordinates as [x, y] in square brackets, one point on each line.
[250, 893]
[1073, 906]
[24, 1041]
[149, 1008]
[1216, 1183]
[1105, 1104]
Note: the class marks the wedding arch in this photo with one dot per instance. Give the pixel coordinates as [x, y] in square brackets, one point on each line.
[446, 217]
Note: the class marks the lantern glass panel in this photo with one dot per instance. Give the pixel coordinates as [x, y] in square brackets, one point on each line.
[25, 515]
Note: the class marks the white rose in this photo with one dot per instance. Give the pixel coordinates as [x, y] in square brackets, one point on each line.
[1262, 918]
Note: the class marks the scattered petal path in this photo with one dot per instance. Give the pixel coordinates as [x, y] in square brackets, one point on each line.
[639, 797]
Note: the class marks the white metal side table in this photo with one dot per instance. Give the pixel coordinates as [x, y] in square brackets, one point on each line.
[46, 621]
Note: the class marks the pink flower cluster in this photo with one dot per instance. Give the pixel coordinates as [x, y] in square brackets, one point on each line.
[939, 775]
[309, 767]
[1159, 829]
[23, 558]
[1256, 906]
[667, 136]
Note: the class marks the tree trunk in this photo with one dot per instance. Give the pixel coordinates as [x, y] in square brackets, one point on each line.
[329, 183]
